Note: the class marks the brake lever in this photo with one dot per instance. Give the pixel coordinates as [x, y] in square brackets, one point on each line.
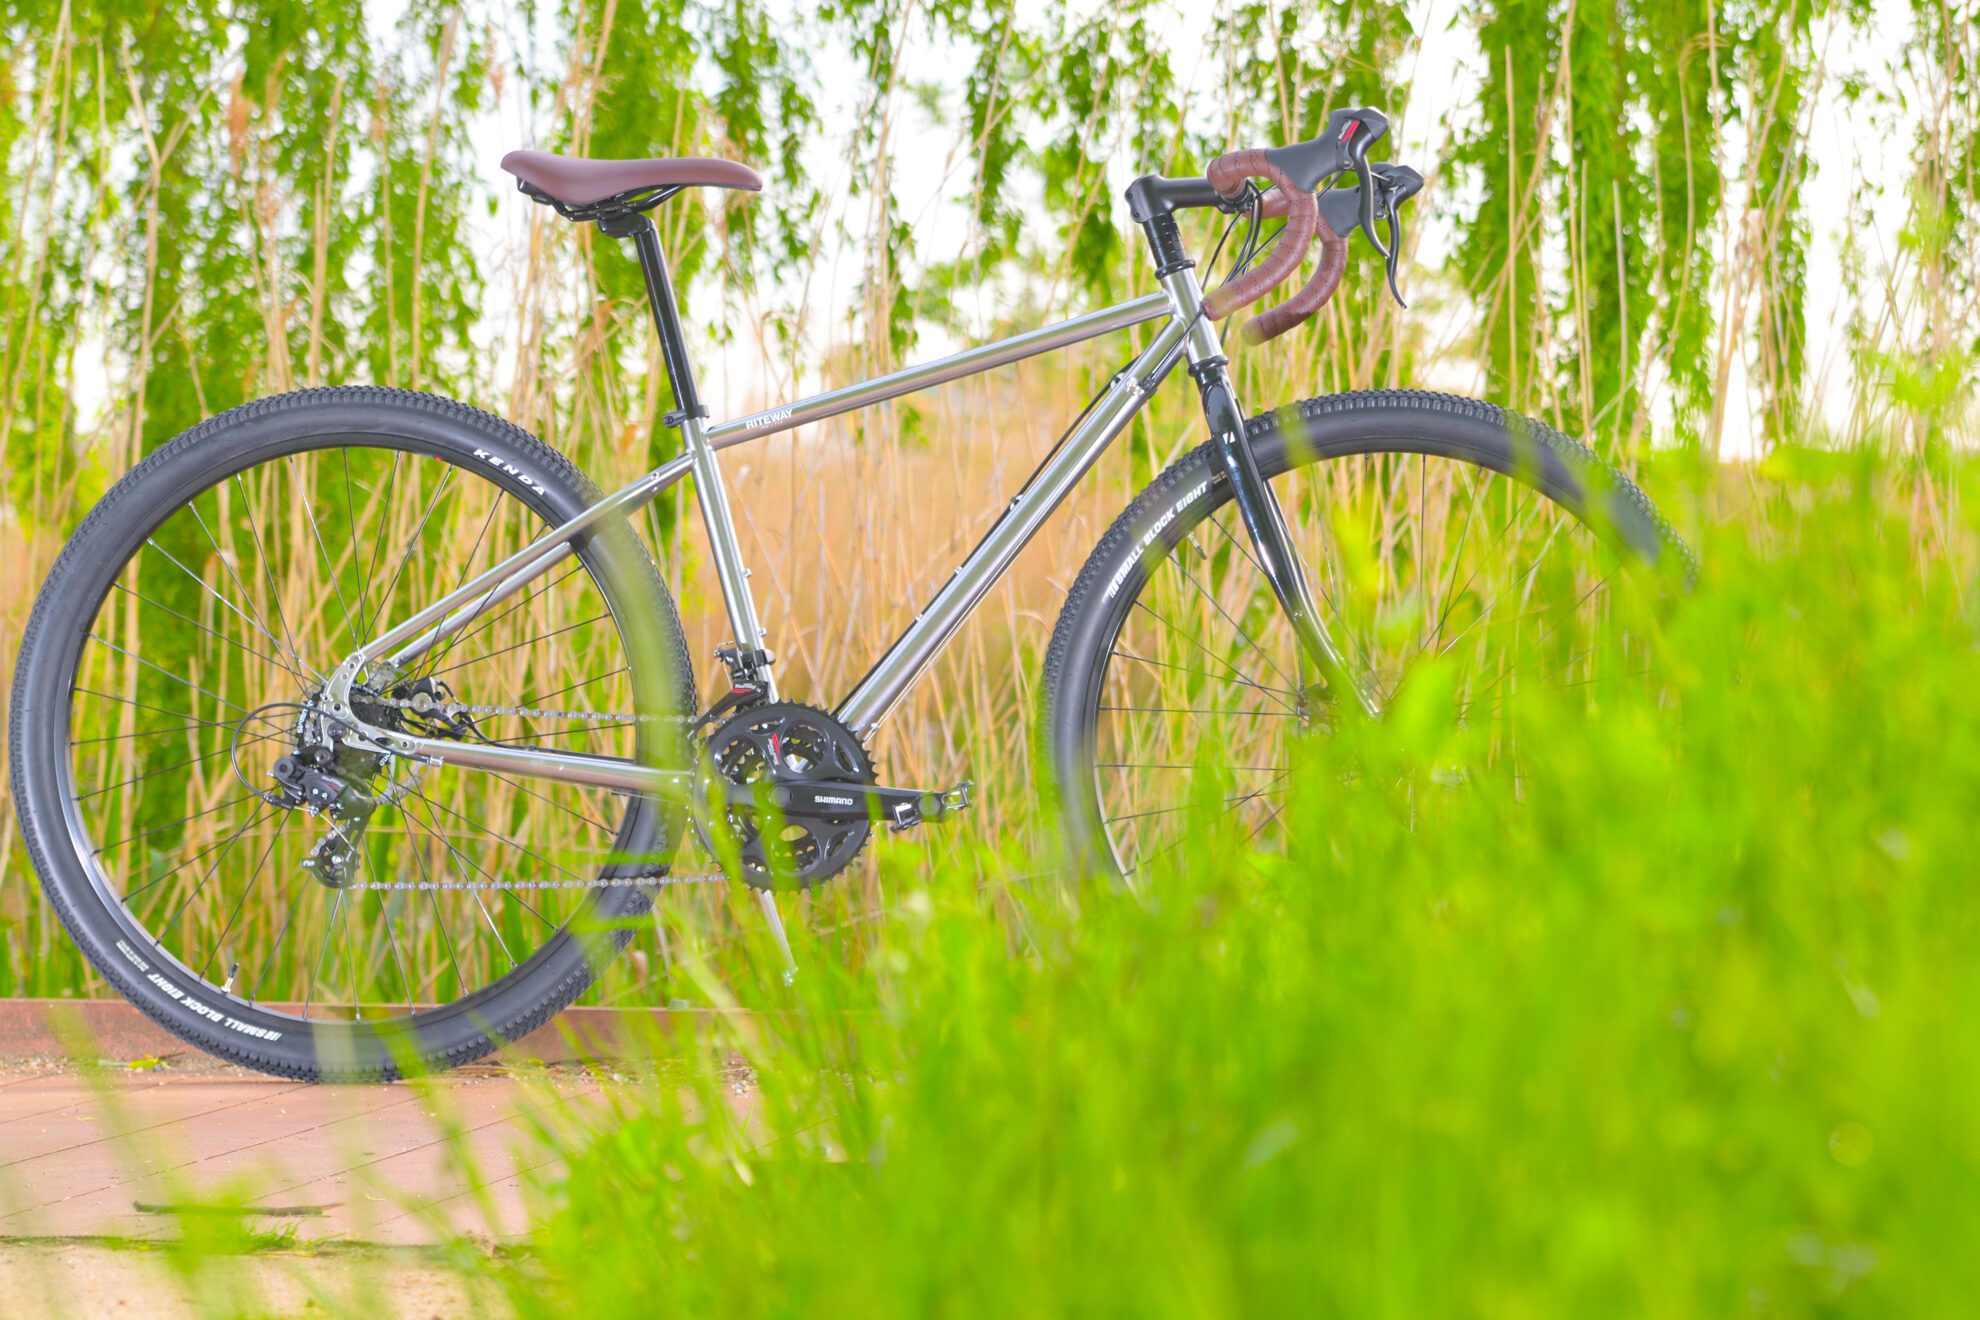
[1394, 253]
[1357, 146]
[1399, 184]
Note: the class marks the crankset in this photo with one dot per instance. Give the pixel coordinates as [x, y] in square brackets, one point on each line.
[794, 791]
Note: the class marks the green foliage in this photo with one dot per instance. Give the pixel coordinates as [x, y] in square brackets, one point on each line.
[1675, 1016]
[1612, 150]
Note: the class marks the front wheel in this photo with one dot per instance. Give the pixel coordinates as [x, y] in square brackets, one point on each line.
[1429, 526]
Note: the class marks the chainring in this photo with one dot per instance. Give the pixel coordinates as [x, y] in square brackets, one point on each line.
[781, 742]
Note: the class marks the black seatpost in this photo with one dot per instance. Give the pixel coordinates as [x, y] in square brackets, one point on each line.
[666, 313]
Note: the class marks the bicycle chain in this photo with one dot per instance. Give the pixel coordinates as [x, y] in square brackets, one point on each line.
[614, 882]
[425, 705]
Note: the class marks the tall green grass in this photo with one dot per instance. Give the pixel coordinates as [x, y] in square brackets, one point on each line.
[1672, 1013]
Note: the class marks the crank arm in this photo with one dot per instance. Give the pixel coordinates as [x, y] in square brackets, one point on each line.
[829, 799]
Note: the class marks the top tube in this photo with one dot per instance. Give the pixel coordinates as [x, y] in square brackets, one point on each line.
[970, 361]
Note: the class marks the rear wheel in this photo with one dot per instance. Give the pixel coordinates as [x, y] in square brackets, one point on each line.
[170, 665]
[1429, 525]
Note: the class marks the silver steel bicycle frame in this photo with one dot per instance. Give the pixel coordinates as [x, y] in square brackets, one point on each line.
[923, 639]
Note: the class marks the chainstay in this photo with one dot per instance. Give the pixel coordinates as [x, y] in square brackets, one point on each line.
[426, 705]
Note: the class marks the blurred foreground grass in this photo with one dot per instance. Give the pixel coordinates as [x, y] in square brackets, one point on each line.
[1673, 1014]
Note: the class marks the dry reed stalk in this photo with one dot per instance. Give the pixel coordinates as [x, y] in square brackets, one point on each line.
[853, 526]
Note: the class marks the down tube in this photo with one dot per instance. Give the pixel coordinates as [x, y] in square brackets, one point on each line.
[905, 661]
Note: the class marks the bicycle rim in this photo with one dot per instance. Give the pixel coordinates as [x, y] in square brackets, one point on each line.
[204, 653]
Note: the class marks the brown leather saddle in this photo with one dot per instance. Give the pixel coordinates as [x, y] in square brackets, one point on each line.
[584, 189]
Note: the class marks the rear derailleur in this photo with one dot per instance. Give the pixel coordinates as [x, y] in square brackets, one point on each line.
[332, 774]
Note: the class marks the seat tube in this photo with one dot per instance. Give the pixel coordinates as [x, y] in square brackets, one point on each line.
[692, 417]
[723, 546]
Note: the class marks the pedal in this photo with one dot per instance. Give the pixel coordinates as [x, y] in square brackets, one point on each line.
[905, 814]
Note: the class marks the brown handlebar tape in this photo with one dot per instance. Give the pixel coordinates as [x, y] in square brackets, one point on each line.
[1227, 174]
[1301, 209]
[1275, 321]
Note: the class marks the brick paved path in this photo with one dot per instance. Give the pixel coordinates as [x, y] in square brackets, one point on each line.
[110, 1152]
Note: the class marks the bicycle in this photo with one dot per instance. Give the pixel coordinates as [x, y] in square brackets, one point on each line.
[421, 793]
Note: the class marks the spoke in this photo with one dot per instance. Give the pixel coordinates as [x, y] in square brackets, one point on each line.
[1486, 612]
[439, 919]
[350, 532]
[231, 641]
[1185, 669]
[316, 969]
[295, 665]
[389, 492]
[583, 682]
[162, 710]
[461, 634]
[221, 806]
[412, 544]
[1230, 670]
[156, 733]
[1485, 557]
[268, 571]
[475, 893]
[392, 938]
[517, 646]
[351, 961]
[186, 902]
[1450, 593]
[160, 879]
[1206, 710]
[1229, 805]
[268, 962]
[1322, 582]
[1178, 842]
[1183, 765]
[169, 674]
[1236, 627]
[567, 810]
[329, 566]
[531, 594]
[246, 889]
[166, 769]
[485, 832]
[255, 624]
[479, 870]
